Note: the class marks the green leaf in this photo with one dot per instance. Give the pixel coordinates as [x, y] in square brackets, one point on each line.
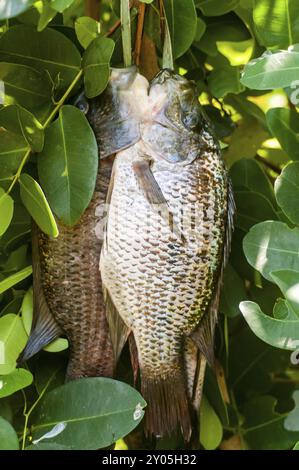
[248, 173]
[272, 71]
[24, 85]
[225, 80]
[96, 60]
[8, 436]
[59, 344]
[272, 246]
[252, 208]
[284, 125]
[46, 15]
[283, 311]
[90, 423]
[14, 279]
[19, 120]
[46, 50]
[87, 29]
[282, 334]
[182, 22]
[216, 8]
[276, 22]
[288, 282]
[11, 8]
[68, 164]
[6, 211]
[210, 426]
[16, 380]
[291, 422]
[12, 341]
[12, 150]
[264, 427]
[287, 191]
[37, 205]
[47, 446]
[60, 5]
[230, 298]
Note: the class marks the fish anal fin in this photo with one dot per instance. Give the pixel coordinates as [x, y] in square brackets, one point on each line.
[119, 332]
[154, 195]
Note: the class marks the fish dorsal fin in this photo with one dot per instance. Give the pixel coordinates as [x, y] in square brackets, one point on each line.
[154, 194]
[119, 332]
[44, 327]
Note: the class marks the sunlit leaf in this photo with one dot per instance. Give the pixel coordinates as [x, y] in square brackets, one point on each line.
[182, 22]
[37, 205]
[12, 341]
[288, 282]
[284, 125]
[6, 211]
[216, 8]
[87, 29]
[96, 60]
[272, 246]
[287, 191]
[68, 164]
[16, 380]
[14, 279]
[211, 428]
[282, 334]
[8, 436]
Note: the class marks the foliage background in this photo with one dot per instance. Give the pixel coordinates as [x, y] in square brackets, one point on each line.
[244, 58]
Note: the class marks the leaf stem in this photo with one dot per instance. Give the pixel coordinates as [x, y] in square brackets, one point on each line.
[126, 31]
[46, 123]
[139, 32]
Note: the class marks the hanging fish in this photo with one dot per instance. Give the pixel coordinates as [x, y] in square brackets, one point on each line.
[67, 286]
[168, 234]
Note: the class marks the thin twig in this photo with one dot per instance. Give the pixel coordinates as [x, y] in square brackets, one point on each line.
[139, 32]
[92, 9]
[113, 28]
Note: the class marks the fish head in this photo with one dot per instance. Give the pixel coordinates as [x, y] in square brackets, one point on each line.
[176, 99]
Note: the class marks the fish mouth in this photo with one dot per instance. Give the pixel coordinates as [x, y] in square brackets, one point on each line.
[122, 78]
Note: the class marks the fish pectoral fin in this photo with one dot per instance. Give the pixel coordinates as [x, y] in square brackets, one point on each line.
[119, 332]
[154, 194]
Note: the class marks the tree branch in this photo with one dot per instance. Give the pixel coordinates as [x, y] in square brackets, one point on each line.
[92, 9]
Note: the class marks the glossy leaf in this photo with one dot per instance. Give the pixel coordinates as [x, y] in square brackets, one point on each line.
[272, 246]
[14, 279]
[15, 381]
[287, 191]
[182, 22]
[87, 29]
[8, 436]
[11, 8]
[279, 333]
[276, 22]
[37, 205]
[89, 423]
[252, 208]
[288, 282]
[284, 125]
[12, 341]
[216, 8]
[211, 429]
[262, 421]
[20, 121]
[68, 164]
[46, 50]
[271, 71]
[248, 173]
[6, 211]
[96, 60]
[24, 85]
[60, 5]
[225, 80]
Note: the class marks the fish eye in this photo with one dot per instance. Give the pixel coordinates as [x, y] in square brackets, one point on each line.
[192, 120]
[81, 103]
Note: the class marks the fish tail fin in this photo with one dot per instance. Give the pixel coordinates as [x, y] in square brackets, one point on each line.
[167, 405]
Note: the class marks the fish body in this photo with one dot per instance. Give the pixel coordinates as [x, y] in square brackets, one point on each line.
[67, 285]
[166, 238]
